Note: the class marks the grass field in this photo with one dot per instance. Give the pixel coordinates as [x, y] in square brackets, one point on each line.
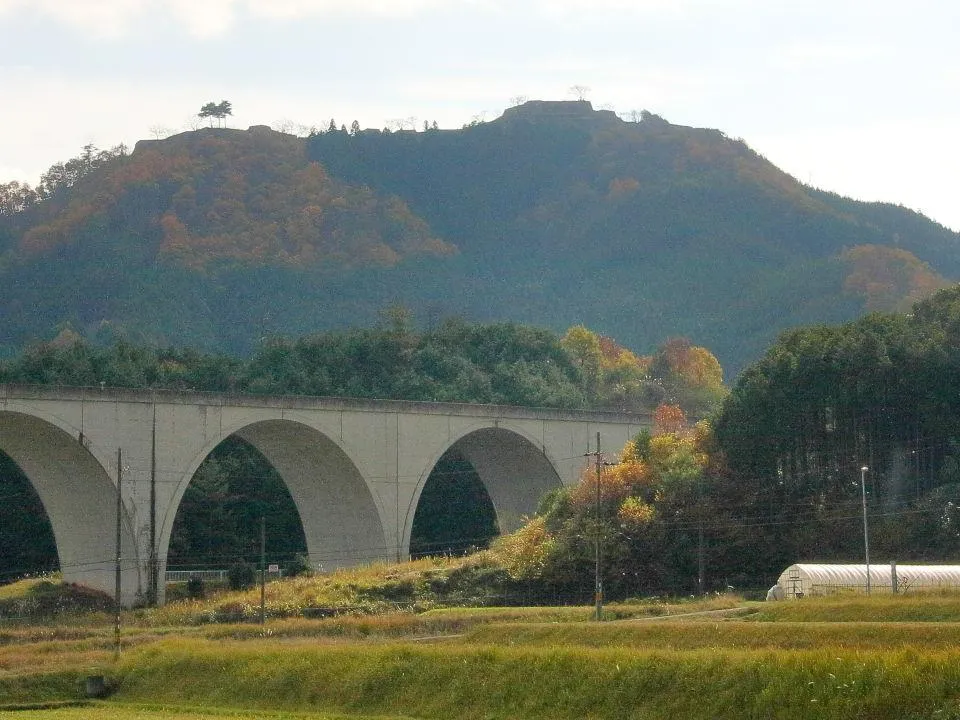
[104, 711]
[845, 657]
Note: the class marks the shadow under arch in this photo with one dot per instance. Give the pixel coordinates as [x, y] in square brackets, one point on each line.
[512, 469]
[338, 513]
[217, 522]
[454, 513]
[79, 497]
[26, 536]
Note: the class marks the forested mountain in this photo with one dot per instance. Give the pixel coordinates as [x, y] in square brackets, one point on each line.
[554, 214]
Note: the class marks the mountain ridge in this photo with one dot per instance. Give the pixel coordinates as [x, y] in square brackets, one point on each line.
[553, 214]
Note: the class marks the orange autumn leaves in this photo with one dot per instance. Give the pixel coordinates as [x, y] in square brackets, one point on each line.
[237, 197]
[653, 474]
[679, 373]
[890, 279]
[649, 468]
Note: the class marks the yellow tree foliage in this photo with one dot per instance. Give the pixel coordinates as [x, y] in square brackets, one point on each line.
[675, 452]
[524, 553]
[614, 487]
[632, 472]
[619, 378]
[620, 364]
[654, 474]
[634, 514]
[692, 365]
[702, 369]
[583, 346]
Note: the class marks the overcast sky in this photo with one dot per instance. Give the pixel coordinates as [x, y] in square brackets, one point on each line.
[852, 96]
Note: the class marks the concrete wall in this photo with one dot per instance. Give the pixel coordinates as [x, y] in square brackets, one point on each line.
[355, 469]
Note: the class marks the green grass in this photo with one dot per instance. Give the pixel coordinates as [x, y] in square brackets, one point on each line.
[933, 606]
[726, 634]
[611, 611]
[109, 711]
[550, 682]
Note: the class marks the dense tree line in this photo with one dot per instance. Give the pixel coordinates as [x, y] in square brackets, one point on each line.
[502, 363]
[883, 393]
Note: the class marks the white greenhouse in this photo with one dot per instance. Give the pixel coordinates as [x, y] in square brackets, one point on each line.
[814, 579]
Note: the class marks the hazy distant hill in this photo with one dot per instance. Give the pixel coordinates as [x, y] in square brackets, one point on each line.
[553, 214]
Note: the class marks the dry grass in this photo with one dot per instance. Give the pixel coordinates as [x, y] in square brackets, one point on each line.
[19, 589]
[727, 634]
[892, 657]
[371, 589]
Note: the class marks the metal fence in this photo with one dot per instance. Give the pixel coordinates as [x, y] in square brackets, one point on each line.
[173, 576]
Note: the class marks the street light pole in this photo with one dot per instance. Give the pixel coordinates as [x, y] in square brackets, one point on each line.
[866, 533]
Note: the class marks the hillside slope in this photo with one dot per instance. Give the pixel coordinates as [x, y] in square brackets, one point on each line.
[553, 214]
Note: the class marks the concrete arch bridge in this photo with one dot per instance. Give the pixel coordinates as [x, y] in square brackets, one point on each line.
[354, 468]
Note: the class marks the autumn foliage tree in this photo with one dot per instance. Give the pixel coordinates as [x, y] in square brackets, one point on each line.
[645, 509]
[890, 279]
[679, 373]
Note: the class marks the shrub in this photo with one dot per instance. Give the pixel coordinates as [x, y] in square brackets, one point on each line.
[241, 576]
[299, 565]
[195, 588]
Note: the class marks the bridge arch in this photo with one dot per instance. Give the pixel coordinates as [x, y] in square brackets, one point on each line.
[79, 497]
[515, 471]
[340, 516]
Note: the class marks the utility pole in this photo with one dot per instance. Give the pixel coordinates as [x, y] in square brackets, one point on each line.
[116, 626]
[700, 559]
[700, 556]
[598, 582]
[263, 571]
[153, 581]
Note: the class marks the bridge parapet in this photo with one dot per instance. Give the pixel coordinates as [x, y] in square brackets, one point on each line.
[311, 402]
